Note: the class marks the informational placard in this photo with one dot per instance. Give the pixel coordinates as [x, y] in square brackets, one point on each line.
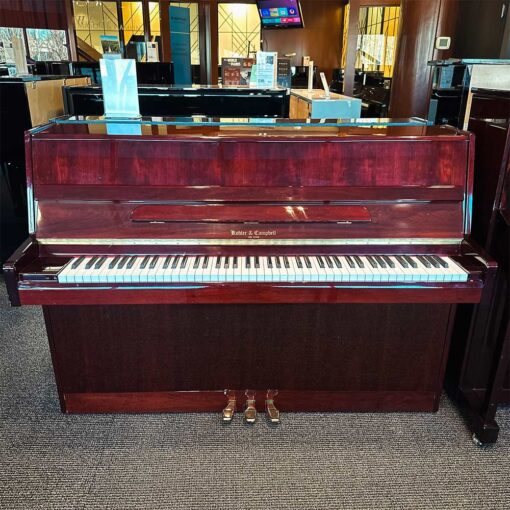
[236, 71]
[120, 88]
[152, 52]
[111, 46]
[266, 69]
[20, 56]
[180, 43]
[284, 73]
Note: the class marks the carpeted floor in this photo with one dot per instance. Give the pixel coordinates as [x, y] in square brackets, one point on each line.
[321, 461]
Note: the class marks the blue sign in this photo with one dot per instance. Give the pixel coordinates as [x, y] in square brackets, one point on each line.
[180, 43]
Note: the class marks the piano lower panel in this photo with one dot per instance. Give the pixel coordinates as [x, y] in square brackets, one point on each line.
[46, 294]
[158, 358]
[213, 401]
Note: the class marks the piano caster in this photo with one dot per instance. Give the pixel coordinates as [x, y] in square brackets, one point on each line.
[250, 413]
[229, 411]
[272, 413]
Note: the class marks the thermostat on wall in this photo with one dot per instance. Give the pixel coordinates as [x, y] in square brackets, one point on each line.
[443, 43]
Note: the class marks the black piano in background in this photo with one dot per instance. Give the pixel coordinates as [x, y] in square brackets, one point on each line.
[478, 372]
[371, 87]
[166, 101]
[24, 104]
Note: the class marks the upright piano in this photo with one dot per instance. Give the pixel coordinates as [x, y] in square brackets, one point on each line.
[250, 267]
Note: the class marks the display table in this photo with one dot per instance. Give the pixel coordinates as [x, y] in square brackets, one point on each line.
[313, 104]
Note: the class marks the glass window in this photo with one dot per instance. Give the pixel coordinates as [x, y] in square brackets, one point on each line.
[132, 21]
[193, 29]
[44, 44]
[238, 30]
[377, 37]
[92, 20]
[154, 19]
[6, 35]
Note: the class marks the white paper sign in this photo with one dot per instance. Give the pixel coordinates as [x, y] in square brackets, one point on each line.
[266, 69]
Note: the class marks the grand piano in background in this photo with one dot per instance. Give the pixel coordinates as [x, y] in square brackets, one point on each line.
[201, 268]
[478, 372]
[167, 101]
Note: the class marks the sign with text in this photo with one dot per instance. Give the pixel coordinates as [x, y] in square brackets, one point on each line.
[180, 43]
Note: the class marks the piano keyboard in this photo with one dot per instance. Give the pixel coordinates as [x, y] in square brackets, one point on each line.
[302, 269]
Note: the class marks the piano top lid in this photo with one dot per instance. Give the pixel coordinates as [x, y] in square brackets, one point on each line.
[78, 126]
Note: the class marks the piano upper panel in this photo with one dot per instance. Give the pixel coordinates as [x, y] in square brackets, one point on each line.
[255, 157]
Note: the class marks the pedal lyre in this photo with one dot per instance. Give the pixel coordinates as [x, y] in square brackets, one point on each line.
[229, 411]
[250, 413]
[272, 413]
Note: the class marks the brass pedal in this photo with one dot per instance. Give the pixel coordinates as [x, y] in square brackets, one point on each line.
[229, 411]
[272, 413]
[250, 413]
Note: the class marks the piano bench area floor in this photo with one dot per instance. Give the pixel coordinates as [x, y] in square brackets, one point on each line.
[172, 461]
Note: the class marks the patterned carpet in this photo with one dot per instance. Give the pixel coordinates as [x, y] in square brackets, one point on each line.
[322, 461]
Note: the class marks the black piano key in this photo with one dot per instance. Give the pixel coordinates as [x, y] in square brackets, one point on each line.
[372, 261]
[176, 261]
[424, 261]
[218, 263]
[278, 263]
[100, 262]
[389, 261]
[308, 263]
[206, 263]
[113, 263]
[411, 262]
[248, 263]
[184, 262]
[380, 261]
[358, 260]
[122, 262]
[77, 262]
[329, 262]
[433, 261]
[299, 262]
[402, 261]
[440, 261]
[166, 263]
[154, 261]
[227, 262]
[350, 261]
[91, 262]
[320, 262]
[286, 262]
[337, 262]
[145, 261]
[269, 262]
[131, 263]
[257, 262]
[196, 264]
[235, 263]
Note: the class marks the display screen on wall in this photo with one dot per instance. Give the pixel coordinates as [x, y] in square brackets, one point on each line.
[280, 13]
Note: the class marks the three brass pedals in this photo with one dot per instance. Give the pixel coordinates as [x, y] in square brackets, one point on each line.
[250, 410]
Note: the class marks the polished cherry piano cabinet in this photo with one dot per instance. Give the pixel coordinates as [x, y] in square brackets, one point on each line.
[220, 267]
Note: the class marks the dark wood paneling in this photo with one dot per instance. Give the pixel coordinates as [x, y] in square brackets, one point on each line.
[33, 14]
[244, 162]
[215, 401]
[321, 39]
[284, 347]
[479, 29]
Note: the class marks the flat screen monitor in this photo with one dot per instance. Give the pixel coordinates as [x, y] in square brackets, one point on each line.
[280, 13]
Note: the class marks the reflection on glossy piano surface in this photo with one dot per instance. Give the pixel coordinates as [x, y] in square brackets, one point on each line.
[201, 268]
